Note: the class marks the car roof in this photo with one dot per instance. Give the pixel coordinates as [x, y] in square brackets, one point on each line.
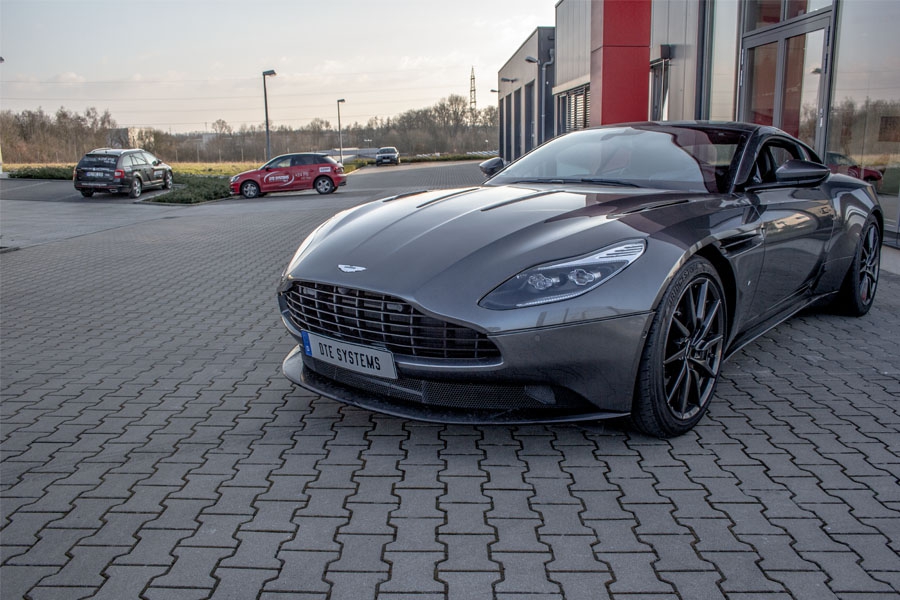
[114, 151]
[319, 154]
[734, 125]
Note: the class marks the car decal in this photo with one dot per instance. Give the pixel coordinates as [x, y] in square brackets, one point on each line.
[324, 169]
[282, 178]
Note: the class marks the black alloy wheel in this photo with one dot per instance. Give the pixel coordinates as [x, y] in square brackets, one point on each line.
[858, 290]
[685, 349]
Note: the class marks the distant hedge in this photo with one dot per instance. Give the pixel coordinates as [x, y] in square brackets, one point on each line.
[42, 172]
[191, 189]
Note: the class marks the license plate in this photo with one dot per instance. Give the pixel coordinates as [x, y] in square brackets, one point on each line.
[95, 174]
[354, 357]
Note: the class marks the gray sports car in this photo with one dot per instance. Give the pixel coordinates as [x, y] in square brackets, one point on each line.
[608, 273]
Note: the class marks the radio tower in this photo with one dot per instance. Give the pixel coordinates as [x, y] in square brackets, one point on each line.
[472, 106]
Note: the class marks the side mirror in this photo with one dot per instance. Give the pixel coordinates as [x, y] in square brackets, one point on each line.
[801, 172]
[794, 173]
[491, 166]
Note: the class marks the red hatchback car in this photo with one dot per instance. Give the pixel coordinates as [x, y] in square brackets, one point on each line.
[289, 173]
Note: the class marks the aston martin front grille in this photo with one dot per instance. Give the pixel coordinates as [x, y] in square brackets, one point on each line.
[374, 319]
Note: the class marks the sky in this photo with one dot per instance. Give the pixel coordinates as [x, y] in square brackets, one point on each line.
[180, 65]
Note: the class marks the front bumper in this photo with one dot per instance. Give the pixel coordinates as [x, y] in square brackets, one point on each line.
[574, 372]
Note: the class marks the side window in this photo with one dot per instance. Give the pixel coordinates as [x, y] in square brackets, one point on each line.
[773, 155]
[307, 159]
[149, 158]
[782, 154]
[138, 160]
[281, 164]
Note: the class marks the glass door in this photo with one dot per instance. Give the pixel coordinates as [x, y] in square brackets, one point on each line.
[783, 79]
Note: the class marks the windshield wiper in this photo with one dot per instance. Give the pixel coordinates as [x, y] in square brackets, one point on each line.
[615, 182]
[545, 180]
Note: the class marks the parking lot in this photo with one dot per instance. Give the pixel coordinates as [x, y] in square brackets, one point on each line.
[152, 449]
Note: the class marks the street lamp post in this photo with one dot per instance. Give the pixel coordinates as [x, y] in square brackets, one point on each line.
[269, 73]
[340, 133]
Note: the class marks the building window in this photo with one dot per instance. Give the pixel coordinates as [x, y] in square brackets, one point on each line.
[864, 114]
[578, 107]
[723, 61]
[659, 90]
[765, 13]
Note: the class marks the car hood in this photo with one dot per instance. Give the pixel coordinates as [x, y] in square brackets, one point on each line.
[468, 241]
[250, 172]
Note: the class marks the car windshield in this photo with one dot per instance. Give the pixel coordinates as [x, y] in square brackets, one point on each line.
[667, 157]
[388, 150]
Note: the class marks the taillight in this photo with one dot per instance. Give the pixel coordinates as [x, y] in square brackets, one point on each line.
[119, 174]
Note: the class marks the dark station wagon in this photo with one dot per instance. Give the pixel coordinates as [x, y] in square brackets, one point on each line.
[117, 170]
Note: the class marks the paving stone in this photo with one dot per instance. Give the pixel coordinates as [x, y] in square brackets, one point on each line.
[469, 585]
[257, 550]
[127, 581]
[61, 593]
[352, 586]
[465, 519]
[467, 553]
[633, 573]
[584, 586]
[846, 574]
[676, 553]
[240, 583]
[519, 535]
[742, 573]
[617, 536]
[51, 548]
[154, 548]
[303, 572]
[413, 573]
[464, 490]
[85, 568]
[193, 568]
[361, 554]
[16, 581]
[571, 553]
[415, 535]
[524, 573]
[803, 585]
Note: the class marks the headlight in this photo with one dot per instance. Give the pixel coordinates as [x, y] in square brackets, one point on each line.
[235, 178]
[564, 279]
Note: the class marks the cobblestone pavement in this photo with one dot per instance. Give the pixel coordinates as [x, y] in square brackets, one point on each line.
[152, 449]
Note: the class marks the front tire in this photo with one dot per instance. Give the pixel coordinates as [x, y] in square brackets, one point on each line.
[324, 185]
[168, 181]
[136, 188]
[683, 356]
[858, 290]
[249, 189]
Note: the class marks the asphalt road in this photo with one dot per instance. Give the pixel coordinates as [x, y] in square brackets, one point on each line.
[150, 447]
